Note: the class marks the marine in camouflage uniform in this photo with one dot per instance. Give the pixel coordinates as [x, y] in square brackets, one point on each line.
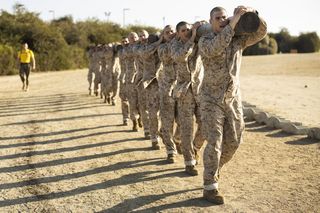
[97, 68]
[115, 77]
[143, 38]
[107, 61]
[151, 67]
[188, 66]
[129, 80]
[166, 81]
[122, 89]
[109, 73]
[93, 65]
[221, 108]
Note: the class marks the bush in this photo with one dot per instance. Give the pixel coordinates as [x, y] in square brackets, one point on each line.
[308, 42]
[265, 47]
[7, 60]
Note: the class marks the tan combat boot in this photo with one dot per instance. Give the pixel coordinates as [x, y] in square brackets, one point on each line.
[155, 146]
[191, 170]
[213, 196]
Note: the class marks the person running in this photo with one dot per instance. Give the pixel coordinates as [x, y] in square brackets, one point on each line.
[27, 62]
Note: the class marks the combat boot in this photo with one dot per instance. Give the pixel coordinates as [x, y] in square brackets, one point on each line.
[147, 135]
[213, 196]
[90, 91]
[125, 122]
[23, 86]
[191, 170]
[170, 158]
[135, 126]
[108, 100]
[155, 146]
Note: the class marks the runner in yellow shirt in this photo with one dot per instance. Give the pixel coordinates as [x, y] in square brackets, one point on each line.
[25, 57]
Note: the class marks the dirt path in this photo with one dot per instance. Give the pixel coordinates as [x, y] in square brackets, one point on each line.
[64, 151]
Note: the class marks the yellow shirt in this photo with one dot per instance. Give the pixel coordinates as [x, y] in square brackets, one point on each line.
[25, 56]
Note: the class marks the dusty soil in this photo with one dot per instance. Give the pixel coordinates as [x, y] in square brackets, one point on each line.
[62, 150]
[287, 85]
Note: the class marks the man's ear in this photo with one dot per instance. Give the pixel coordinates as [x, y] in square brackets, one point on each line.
[210, 21]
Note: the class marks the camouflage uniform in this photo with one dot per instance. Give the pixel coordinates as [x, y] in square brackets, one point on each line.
[97, 69]
[107, 62]
[129, 82]
[189, 70]
[115, 78]
[122, 90]
[90, 55]
[221, 108]
[151, 66]
[166, 80]
[141, 91]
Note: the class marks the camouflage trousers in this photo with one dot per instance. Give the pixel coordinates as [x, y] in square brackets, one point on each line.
[223, 126]
[106, 84]
[97, 80]
[90, 78]
[152, 97]
[143, 108]
[109, 85]
[133, 101]
[187, 109]
[124, 102]
[168, 116]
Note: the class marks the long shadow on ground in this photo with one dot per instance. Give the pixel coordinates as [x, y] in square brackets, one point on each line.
[66, 149]
[129, 205]
[61, 119]
[103, 169]
[121, 181]
[50, 134]
[72, 159]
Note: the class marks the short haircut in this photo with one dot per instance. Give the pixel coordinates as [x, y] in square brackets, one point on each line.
[180, 24]
[216, 9]
[132, 33]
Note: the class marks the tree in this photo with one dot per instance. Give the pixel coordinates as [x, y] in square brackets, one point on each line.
[266, 46]
[284, 40]
[308, 42]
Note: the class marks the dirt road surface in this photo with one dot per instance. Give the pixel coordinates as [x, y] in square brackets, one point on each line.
[62, 150]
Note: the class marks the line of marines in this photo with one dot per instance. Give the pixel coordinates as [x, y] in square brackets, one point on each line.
[181, 88]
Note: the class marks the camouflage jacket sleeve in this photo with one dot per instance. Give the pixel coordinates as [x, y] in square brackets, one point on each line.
[257, 36]
[149, 49]
[180, 52]
[218, 43]
[164, 53]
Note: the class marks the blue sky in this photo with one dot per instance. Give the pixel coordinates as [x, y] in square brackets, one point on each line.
[296, 16]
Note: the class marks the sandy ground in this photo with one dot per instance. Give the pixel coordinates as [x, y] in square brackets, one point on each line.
[286, 85]
[64, 151]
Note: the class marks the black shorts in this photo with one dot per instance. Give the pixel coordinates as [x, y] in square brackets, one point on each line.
[25, 68]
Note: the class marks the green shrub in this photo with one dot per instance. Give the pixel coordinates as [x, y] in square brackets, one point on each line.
[308, 43]
[7, 60]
